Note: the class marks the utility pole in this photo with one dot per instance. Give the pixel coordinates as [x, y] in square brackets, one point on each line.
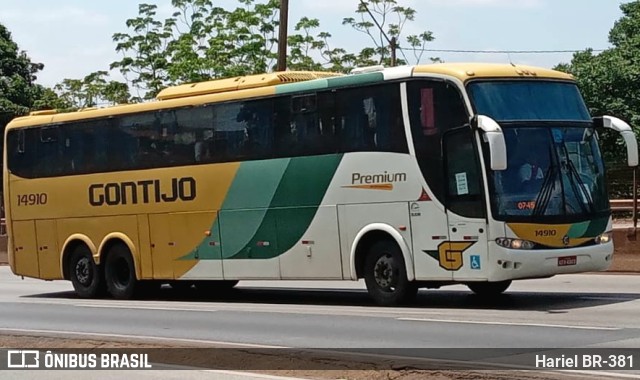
[394, 46]
[282, 39]
[393, 42]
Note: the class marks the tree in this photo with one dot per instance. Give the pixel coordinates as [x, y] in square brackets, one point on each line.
[18, 91]
[384, 22]
[144, 50]
[91, 91]
[201, 41]
[198, 42]
[610, 81]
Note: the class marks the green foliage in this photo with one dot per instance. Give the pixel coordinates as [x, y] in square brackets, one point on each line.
[201, 41]
[91, 91]
[144, 50]
[18, 92]
[610, 81]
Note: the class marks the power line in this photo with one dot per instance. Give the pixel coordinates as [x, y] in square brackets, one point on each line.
[503, 51]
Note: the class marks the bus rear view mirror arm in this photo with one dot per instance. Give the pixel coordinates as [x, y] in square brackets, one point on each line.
[625, 131]
[495, 138]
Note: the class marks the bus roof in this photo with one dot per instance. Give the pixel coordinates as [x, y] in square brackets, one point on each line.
[241, 83]
[468, 71]
[253, 86]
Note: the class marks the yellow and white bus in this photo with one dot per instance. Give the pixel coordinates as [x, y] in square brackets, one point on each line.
[407, 177]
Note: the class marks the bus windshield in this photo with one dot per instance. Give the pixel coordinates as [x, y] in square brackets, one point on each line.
[529, 100]
[553, 172]
[555, 169]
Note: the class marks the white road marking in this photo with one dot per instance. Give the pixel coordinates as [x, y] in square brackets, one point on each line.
[509, 324]
[143, 308]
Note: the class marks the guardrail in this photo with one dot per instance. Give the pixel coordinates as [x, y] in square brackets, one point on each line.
[626, 205]
[622, 205]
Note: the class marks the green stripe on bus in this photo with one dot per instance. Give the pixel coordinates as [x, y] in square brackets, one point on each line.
[293, 208]
[589, 229]
[253, 188]
[319, 84]
[353, 80]
[255, 184]
[247, 201]
[597, 227]
[578, 230]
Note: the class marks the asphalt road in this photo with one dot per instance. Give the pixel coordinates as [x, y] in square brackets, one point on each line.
[586, 311]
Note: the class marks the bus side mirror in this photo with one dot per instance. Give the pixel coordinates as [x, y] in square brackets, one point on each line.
[495, 138]
[625, 131]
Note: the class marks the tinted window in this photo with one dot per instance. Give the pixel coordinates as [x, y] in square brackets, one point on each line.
[368, 119]
[305, 125]
[528, 100]
[434, 107]
[464, 183]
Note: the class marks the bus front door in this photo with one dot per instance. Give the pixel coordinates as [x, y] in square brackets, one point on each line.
[467, 250]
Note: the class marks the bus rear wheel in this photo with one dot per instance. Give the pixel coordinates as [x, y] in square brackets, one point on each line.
[385, 275]
[84, 274]
[120, 273]
[488, 289]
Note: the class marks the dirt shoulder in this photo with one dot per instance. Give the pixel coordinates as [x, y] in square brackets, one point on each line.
[311, 365]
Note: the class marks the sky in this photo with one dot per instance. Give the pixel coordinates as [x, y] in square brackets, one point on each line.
[74, 37]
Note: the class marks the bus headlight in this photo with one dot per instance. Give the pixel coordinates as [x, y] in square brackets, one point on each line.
[515, 243]
[604, 238]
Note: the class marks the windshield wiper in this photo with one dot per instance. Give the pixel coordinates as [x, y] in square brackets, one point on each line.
[573, 176]
[544, 196]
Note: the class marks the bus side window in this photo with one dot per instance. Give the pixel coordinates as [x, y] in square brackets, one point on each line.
[21, 158]
[49, 152]
[370, 119]
[329, 139]
[306, 124]
[285, 133]
[256, 117]
[357, 135]
[20, 144]
[464, 183]
[434, 108]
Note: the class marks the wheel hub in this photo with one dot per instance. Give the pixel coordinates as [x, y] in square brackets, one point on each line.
[83, 271]
[384, 272]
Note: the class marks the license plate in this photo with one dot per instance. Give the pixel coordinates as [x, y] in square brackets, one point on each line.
[566, 261]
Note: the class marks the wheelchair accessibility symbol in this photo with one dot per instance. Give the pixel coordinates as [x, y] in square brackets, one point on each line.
[475, 262]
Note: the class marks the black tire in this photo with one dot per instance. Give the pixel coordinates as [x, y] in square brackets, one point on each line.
[85, 275]
[489, 289]
[120, 273]
[385, 274]
[215, 287]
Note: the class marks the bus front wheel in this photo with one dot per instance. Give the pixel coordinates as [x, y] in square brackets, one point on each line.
[120, 273]
[488, 289]
[385, 275]
[84, 274]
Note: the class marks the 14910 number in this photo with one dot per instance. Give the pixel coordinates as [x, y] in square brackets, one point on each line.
[32, 199]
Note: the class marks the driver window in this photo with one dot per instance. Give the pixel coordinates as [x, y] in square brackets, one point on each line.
[464, 183]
